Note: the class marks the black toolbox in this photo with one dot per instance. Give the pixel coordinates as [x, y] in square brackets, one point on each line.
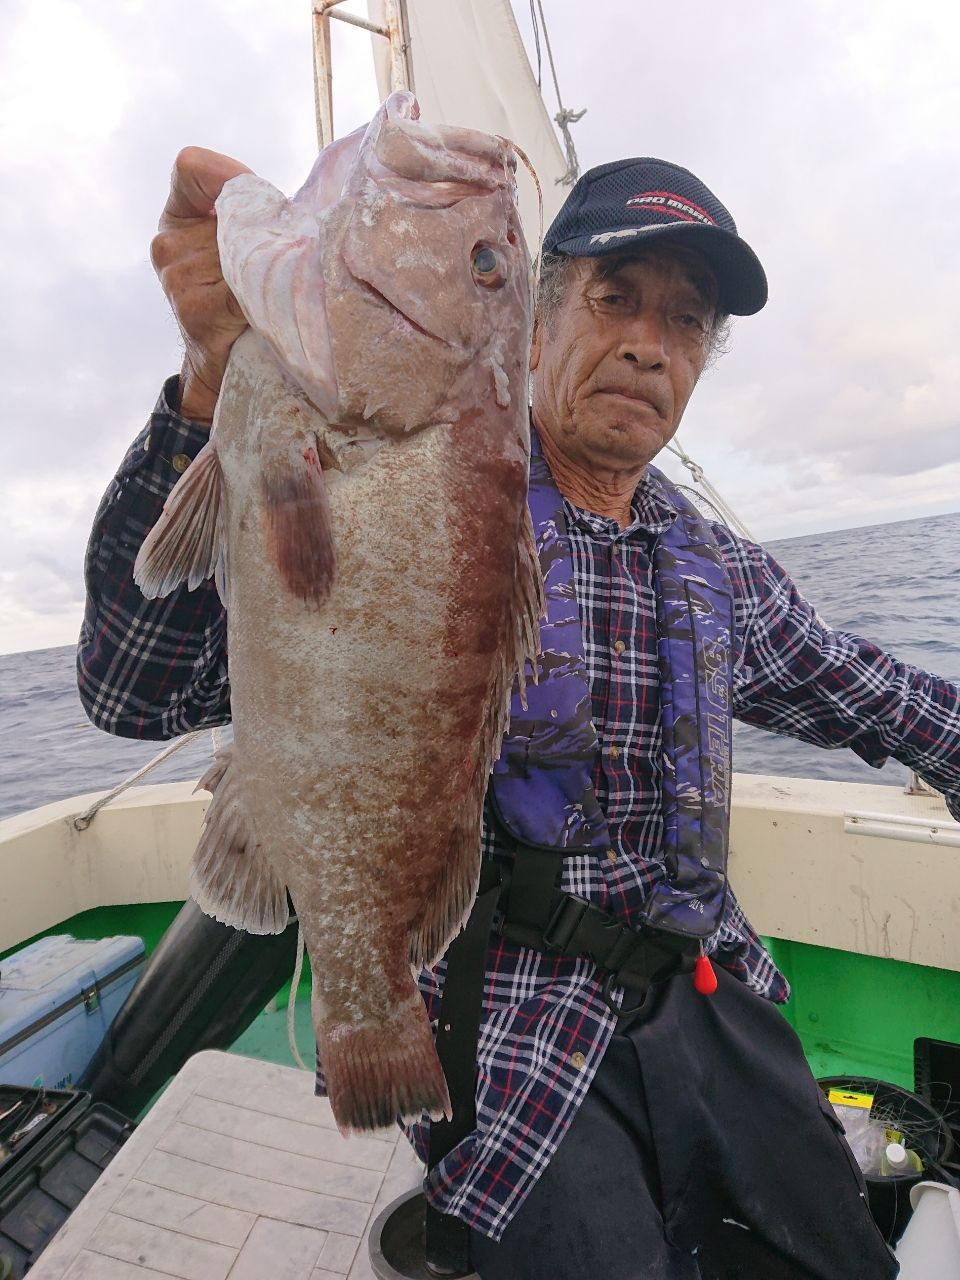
[54, 1144]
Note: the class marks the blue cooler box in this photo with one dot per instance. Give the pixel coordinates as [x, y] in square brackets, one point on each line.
[57, 998]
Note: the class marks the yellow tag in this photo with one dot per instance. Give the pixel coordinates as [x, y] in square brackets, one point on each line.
[847, 1098]
[893, 1135]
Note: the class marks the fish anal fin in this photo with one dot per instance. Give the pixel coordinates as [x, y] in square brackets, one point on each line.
[451, 897]
[186, 543]
[297, 523]
[230, 879]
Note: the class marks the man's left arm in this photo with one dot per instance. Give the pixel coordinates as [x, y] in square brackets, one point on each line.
[797, 676]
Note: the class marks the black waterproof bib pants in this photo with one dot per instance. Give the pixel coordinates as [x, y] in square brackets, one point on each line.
[704, 1149]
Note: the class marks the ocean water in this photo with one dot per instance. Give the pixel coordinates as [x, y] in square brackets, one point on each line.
[896, 584]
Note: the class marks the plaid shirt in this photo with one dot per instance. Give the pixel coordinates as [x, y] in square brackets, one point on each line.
[154, 669]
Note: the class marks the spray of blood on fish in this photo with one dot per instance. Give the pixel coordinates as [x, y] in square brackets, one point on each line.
[362, 507]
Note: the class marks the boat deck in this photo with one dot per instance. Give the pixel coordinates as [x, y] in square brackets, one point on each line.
[237, 1173]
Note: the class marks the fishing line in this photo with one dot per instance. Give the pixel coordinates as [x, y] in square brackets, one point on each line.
[292, 1002]
[528, 164]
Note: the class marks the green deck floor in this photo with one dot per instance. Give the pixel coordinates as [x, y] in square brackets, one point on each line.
[266, 1037]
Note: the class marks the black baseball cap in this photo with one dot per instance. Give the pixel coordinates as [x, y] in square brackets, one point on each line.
[625, 204]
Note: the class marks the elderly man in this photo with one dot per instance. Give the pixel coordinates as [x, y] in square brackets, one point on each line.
[641, 1109]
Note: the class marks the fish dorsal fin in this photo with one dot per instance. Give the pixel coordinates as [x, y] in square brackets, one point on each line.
[230, 879]
[186, 543]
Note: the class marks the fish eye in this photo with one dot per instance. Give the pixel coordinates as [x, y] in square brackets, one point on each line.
[487, 267]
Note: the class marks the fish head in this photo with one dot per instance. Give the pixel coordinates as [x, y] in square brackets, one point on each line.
[428, 282]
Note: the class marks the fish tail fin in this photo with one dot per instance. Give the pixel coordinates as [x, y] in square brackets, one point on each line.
[377, 1071]
[230, 879]
[186, 543]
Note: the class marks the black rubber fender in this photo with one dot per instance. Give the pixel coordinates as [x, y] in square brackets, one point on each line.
[203, 986]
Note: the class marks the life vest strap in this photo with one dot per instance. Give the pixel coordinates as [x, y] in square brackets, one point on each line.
[524, 905]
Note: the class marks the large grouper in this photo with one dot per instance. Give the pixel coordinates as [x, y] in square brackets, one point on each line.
[362, 506]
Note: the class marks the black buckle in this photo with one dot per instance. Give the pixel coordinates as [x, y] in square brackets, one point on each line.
[618, 1010]
[564, 921]
[577, 927]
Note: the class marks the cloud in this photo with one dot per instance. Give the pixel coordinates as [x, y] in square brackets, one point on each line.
[829, 132]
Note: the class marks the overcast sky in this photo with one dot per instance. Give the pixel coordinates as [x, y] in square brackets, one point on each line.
[828, 128]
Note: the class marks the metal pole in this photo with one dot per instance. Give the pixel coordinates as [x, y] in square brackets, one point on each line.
[396, 30]
[398, 33]
[322, 76]
[356, 21]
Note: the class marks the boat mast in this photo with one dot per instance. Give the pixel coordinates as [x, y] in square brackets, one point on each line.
[393, 27]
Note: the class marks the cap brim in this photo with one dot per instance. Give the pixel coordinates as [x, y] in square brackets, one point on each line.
[740, 277]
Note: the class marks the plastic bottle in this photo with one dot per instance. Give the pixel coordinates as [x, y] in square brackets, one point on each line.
[898, 1159]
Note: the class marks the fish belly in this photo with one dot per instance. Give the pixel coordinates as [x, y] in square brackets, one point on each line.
[362, 728]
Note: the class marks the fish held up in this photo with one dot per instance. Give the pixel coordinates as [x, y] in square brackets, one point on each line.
[362, 507]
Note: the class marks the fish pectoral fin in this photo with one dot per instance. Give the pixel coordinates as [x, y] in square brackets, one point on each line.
[186, 543]
[297, 523]
[230, 879]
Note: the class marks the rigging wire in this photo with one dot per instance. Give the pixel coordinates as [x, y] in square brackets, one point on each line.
[536, 42]
[727, 513]
[564, 117]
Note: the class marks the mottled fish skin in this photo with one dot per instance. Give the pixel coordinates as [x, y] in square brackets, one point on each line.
[370, 680]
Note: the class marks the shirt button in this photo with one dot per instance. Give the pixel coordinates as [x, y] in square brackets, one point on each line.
[578, 1060]
[614, 550]
[614, 752]
[617, 648]
[180, 463]
[611, 855]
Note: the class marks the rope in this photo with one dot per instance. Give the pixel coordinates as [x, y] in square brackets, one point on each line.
[83, 821]
[730, 517]
[916, 786]
[292, 1003]
[564, 117]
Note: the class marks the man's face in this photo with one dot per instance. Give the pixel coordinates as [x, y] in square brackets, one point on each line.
[615, 364]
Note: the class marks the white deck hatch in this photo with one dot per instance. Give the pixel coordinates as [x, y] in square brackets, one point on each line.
[237, 1173]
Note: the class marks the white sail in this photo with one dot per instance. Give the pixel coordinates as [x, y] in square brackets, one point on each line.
[470, 68]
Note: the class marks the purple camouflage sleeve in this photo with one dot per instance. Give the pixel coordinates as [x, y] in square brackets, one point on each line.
[149, 668]
[799, 677]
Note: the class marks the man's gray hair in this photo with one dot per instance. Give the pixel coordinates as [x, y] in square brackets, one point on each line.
[553, 282]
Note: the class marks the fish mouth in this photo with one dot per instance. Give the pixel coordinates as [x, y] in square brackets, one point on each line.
[414, 324]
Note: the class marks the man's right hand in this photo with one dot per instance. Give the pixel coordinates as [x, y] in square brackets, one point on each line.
[185, 257]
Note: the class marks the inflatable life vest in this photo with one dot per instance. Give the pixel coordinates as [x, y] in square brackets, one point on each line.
[542, 788]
